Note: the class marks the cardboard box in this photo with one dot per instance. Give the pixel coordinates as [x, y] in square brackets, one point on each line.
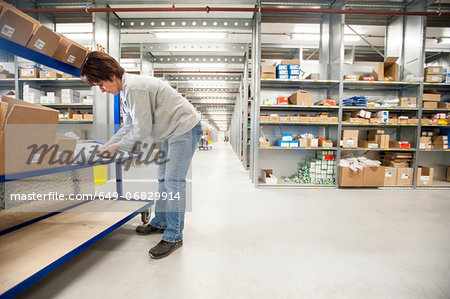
[268, 71]
[48, 74]
[301, 98]
[425, 142]
[448, 173]
[367, 144]
[399, 144]
[434, 70]
[431, 95]
[393, 120]
[430, 105]
[88, 116]
[77, 116]
[303, 142]
[408, 102]
[373, 176]
[375, 120]
[444, 105]
[362, 114]
[313, 142]
[434, 78]
[387, 70]
[413, 120]
[404, 176]
[284, 117]
[293, 118]
[325, 143]
[16, 26]
[390, 176]
[325, 103]
[382, 140]
[28, 72]
[351, 77]
[313, 76]
[371, 134]
[350, 138]
[44, 41]
[264, 143]
[66, 148]
[294, 143]
[269, 178]
[425, 176]
[282, 100]
[263, 118]
[71, 53]
[290, 61]
[274, 117]
[383, 115]
[15, 140]
[349, 178]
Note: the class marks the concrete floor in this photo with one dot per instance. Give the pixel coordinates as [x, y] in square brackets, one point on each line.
[242, 242]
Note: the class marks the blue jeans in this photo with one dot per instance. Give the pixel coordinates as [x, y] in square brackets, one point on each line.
[169, 214]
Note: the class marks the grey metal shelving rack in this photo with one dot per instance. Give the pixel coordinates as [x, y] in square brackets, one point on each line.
[404, 39]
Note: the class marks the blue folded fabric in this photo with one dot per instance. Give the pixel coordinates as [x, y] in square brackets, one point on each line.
[358, 101]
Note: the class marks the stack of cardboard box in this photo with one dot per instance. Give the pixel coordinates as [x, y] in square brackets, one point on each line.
[440, 142]
[430, 98]
[22, 29]
[350, 138]
[434, 74]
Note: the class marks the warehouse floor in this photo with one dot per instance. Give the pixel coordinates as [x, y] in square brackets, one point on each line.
[242, 242]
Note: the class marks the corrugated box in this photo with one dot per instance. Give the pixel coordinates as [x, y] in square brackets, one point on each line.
[430, 105]
[301, 98]
[268, 71]
[71, 53]
[431, 95]
[326, 103]
[434, 70]
[44, 41]
[28, 72]
[382, 140]
[313, 76]
[404, 176]
[350, 138]
[325, 143]
[274, 117]
[15, 25]
[290, 61]
[15, 140]
[373, 133]
[425, 176]
[264, 118]
[269, 178]
[373, 176]
[425, 142]
[48, 74]
[367, 144]
[390, 176]
[349, 178]
[444, 105]
[399, 144]
[408, 102]
[387, 70]
[434, 78]
[448, 173]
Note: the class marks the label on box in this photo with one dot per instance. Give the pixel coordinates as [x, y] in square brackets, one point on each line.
[26, 72]
[39, 44]
[8, 31]
[424, 178]
[294, 72]
[71, 59]
[405, 176]
[388, 174]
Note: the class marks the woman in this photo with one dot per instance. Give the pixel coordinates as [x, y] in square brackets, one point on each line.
[152, 108]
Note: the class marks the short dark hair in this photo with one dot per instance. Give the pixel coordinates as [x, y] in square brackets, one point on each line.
[100, 66]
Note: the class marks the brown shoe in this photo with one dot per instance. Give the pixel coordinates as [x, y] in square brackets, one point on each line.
[148, 230]
[164, 248]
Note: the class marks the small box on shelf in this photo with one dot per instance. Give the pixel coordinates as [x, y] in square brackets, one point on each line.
[350, 138]
[48, 74]
[29, 72]
[404, 176]
[408, 102]
[434, 70]
[431, 95]
[387, 70]
[425, 176]
[434, 78]
[301, 98]
[268, 72]
[269, 177]
[390, 176]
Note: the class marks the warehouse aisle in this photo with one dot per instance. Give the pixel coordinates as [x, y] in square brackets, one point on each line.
[242, 242]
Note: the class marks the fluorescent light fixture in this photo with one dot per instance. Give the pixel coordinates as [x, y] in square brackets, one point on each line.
[310, 37]
[191, 35]
[200, 65]
[351, 38]
[443, 40]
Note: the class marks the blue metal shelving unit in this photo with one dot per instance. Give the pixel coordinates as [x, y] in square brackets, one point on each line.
[29, 54]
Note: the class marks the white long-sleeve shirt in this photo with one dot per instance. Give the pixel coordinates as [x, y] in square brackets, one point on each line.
[152, 108]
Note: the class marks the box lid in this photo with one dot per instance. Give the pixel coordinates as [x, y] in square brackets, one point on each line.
[390, 60]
